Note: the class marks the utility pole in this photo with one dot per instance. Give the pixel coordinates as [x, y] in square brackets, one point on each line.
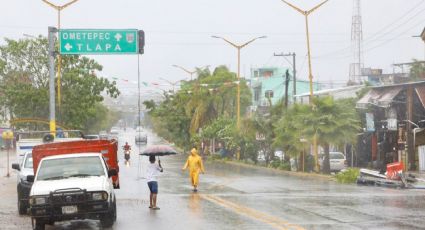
[294, 69]
[286, 88]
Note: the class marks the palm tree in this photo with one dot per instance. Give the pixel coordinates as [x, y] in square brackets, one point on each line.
[329, 121]
[214, 96]
[290, 129]
[332, 122]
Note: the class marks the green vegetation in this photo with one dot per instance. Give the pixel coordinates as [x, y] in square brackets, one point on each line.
[349, 176]
[204, 111]
[330, 122]
[204, 108]
[417, 71]
[282, 165]
[24, 79]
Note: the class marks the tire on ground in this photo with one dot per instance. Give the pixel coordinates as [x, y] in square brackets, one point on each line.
[22, 206]
[108, 219]
[39, 225]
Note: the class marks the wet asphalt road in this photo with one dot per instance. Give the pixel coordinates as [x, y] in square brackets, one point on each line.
[234, 197]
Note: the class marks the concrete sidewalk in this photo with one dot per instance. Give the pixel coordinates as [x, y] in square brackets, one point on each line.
[8, 199]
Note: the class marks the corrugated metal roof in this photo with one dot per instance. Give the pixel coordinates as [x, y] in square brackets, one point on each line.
[382, 97]
[327, 91]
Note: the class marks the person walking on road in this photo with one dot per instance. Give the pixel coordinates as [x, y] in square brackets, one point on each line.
[152, 173]
[194, 162]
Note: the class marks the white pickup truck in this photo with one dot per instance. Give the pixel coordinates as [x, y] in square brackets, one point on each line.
[72, 186]
[25, 169]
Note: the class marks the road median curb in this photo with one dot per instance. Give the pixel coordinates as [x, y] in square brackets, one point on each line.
[290, 173]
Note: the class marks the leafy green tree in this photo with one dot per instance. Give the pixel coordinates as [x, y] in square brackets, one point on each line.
[198, 103]
[24, 79]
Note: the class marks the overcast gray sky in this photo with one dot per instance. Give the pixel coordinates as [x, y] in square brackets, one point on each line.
[179, 32]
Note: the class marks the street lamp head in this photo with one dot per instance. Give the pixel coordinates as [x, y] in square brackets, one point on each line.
[213, 36]
[29, 36]
[263, 37]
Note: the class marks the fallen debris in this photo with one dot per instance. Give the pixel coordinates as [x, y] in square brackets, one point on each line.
[393, 178]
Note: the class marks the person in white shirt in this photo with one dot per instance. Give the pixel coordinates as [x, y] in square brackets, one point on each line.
[152, 173]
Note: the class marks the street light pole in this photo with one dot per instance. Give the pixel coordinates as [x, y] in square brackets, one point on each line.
[306, 14]
[170, 82]
[59, 8]
[188, 71]
[51, 38]
[238, 47]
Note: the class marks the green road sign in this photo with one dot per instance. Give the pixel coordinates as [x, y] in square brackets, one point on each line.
[98, 41]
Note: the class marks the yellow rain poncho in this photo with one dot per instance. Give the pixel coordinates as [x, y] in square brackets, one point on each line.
[194, 162]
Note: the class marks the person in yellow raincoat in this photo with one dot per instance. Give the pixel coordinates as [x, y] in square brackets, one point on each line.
[194, 162]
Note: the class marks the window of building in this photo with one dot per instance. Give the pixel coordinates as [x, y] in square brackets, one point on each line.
[257, 92]
[269, 94]
[267, 73]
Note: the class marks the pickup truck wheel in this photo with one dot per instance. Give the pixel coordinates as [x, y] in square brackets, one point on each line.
[22, 206]
[38, 225]
[115, 211]
[108, 219]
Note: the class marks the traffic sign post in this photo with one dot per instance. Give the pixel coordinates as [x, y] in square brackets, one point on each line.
[99, 41]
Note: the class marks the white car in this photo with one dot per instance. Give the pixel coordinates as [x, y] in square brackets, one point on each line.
[103, 135]
[279, 154]
[92, 137]
[114, 133]
[337, 161]
[141, 137]
[73, 186]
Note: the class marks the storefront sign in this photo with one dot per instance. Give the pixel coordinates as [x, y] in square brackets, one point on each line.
[392, 124]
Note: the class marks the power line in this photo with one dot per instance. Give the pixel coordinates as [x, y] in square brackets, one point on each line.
[393, 23]
[400, 34]
[375, 35]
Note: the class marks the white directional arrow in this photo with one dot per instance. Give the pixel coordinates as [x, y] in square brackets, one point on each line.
[68, 46]
[118, 37]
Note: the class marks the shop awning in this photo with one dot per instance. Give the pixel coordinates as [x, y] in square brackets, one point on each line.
[382, 97]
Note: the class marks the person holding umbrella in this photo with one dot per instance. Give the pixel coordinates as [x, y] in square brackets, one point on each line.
[194, 162]
[152, 173]
[153, 170]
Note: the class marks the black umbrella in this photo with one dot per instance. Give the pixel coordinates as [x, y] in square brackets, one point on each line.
[159, 150]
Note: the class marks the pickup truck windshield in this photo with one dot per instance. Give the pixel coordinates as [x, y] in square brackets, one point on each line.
[28, 161]
[70, 167]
